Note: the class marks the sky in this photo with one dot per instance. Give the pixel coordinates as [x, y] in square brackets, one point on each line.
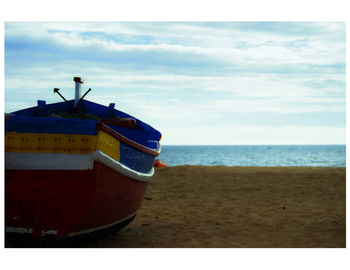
[198, 83]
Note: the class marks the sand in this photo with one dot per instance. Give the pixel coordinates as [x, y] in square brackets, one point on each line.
[237, 207]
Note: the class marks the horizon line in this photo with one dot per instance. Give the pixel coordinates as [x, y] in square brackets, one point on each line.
[336, 144]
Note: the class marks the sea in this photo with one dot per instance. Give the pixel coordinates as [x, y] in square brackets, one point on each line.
[255, 155]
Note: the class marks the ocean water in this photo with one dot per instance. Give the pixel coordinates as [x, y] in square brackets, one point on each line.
[256, 155]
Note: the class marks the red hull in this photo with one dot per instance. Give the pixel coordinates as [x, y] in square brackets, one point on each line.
[69, 202]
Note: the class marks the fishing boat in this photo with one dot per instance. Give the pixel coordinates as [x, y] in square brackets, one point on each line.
[75, 167]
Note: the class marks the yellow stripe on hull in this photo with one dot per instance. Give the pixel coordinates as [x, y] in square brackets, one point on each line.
[108, 145]
[62, 143]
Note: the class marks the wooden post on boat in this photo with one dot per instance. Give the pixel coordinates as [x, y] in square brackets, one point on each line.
[78, 82]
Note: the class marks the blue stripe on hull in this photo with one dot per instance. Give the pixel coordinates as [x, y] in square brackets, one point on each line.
[135, 159]
[51, 125]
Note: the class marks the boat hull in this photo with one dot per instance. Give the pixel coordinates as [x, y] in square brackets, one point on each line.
[66, 203]
[68, 176]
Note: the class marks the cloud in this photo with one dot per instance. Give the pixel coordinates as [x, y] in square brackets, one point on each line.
[186, 74]
[184, 40]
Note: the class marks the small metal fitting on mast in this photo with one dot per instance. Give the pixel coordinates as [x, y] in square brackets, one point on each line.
[78, 82]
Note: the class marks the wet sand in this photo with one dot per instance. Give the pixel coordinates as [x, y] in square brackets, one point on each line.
[237, 207]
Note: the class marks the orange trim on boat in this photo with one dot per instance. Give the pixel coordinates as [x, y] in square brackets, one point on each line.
[160, 163]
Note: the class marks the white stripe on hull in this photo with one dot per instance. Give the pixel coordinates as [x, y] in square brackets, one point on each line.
[27, 230]
[48, 161]
[122, 169]
[62, 161]
[18, 230]
[22, 230]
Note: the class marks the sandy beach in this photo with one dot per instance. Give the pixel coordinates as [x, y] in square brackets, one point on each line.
[237, 207]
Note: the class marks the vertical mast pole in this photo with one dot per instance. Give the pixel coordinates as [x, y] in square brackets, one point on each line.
[78, 82]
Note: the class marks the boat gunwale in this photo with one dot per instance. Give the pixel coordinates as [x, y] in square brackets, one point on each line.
[118, 136]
